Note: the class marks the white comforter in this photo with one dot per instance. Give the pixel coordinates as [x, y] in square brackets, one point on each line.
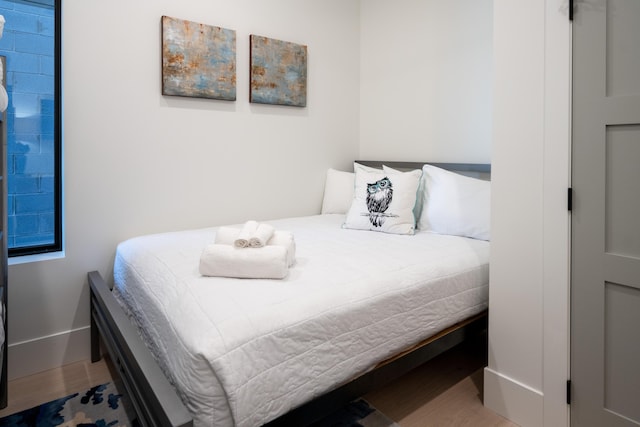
[243, 351]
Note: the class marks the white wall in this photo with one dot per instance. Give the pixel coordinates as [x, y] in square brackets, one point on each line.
[410, 79]
[528, 298]
[137, 162]
[425, 85]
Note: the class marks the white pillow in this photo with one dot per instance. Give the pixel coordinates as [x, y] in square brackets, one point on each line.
[366, 168]
[455, 204]
[338, 192]
[417, 208]
[391, 201]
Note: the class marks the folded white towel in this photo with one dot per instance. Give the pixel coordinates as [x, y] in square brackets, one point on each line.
[284, 239]
[228, 235]
[262, 234]
[268, 262]
[248, 231]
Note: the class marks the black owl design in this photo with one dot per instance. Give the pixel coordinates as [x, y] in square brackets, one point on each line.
[379, 195]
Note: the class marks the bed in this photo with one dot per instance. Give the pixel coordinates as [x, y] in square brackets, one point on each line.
[357, 309]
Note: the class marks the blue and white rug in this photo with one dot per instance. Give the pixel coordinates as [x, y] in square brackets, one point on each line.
[100, 406]
[105, 406]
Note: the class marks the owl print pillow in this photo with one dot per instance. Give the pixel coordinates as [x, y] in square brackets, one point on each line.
[383, 201]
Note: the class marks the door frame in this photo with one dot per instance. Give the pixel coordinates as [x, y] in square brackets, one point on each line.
[557, 217]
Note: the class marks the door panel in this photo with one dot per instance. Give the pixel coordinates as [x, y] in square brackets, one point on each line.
[605, 258]
[623, 60]
[622, 230]
[622, 376]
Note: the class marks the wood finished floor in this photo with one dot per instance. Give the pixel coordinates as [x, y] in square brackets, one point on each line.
[447, 391]
[27, 392]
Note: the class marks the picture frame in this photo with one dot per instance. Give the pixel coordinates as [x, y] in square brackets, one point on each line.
[278, 71]
[198, 60]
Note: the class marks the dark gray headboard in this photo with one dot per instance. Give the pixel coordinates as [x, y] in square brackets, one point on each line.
[475, 170]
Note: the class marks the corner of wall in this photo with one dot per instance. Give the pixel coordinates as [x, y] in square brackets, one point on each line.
[529, 339]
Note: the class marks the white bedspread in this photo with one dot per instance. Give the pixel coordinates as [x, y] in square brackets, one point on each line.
[243, 351]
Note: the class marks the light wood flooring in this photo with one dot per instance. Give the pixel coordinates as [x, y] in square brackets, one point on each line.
[447, 391]
[27, 392]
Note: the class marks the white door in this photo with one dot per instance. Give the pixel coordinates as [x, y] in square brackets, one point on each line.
[605, 284]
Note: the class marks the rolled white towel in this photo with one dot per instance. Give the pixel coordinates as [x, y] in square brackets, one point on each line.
[268, 262]
[262, 234]
[248, 231]
[228, 235]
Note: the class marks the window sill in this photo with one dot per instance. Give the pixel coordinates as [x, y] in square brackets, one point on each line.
[24, 259]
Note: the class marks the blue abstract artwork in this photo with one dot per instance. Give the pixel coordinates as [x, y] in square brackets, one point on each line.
[278, 72]
[198, 60]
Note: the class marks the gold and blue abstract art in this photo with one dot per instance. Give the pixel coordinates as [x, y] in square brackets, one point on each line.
[198, 60]
[278, 72]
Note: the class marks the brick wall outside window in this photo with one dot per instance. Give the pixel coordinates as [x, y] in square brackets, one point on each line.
[28, 44]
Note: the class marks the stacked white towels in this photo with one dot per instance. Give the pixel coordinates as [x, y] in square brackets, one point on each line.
[229, 236]
[256, 251]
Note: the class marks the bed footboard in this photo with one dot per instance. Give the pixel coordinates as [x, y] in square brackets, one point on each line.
[154, 399]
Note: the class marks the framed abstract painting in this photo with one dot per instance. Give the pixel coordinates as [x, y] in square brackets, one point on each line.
[198, 60]
[278, 72]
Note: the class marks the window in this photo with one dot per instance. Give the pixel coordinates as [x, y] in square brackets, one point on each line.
[31, 45]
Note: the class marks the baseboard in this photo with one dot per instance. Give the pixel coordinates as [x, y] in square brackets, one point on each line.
[40, 354]
[513, 400]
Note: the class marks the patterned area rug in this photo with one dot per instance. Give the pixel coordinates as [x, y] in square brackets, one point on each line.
[105, 406]
[100, 406]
